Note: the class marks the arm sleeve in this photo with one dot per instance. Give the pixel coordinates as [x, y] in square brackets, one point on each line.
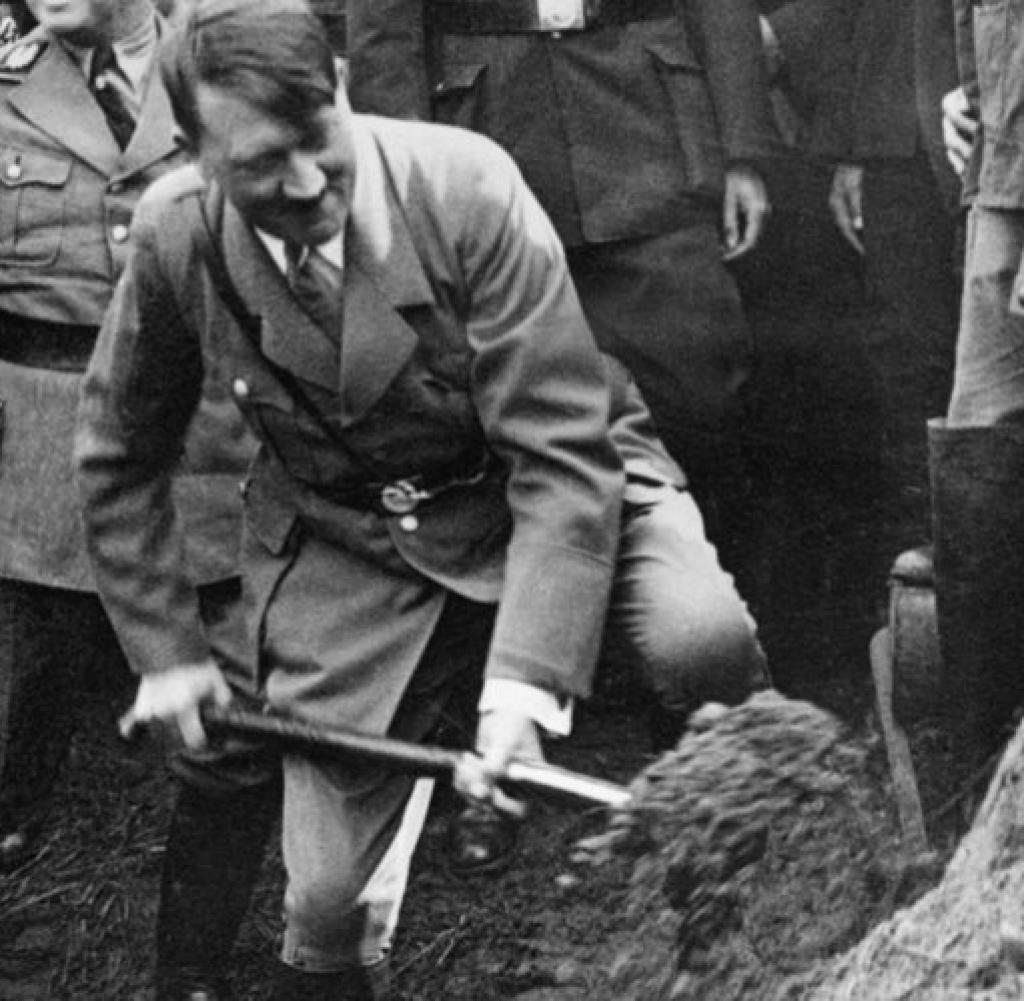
[542, 396]
[729, 37]
[139, 393]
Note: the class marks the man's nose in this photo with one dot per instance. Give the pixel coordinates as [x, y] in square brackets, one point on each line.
[303, 179]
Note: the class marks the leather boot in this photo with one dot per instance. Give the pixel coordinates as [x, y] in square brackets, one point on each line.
[214, 851]
[355, 983]
[977, 479]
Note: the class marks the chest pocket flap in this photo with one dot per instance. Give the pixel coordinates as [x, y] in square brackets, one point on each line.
[20, 167]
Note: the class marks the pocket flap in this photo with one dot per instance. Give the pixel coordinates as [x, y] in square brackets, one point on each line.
[21, 166]
[459, 77]
[268, 517]
[675, 53]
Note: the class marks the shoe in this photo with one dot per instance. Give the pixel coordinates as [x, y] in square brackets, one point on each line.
[481, 841]
[190, 986]
[16, 848]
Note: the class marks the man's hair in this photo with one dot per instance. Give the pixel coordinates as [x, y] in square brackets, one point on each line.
[271, 53]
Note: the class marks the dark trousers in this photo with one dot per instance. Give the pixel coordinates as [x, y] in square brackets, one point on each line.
[50, 641]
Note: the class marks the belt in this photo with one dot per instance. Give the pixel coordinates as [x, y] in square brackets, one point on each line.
[39, 344]
[403, 495]
[495, 17]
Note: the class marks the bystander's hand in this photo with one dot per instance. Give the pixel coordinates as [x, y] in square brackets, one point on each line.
[959, 128]
[502, 734]
[173, 698]
[845, 201]
[745, 210]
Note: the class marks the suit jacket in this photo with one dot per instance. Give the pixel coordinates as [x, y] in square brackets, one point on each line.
[67, 197]
[616, 129]
[462, 335]
[990, 50]
[884, 66]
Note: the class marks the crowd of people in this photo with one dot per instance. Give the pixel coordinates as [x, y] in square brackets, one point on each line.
[359, 358]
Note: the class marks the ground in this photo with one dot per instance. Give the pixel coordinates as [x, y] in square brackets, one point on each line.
[76, 922]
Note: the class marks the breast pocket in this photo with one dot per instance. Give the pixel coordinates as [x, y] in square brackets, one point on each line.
[999, 49]
[33, 197]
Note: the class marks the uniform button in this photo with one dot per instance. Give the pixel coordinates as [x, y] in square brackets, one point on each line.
[240, 388]
[556, 35]
[13, 171]
[119, 233]
[115, 187]
[408, 523]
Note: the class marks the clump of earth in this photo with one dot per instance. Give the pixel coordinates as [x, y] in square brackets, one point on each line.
[758, 850]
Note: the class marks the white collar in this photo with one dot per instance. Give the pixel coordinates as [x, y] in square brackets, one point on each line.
[333, 250]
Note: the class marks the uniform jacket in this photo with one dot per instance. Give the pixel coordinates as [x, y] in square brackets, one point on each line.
[617, 129]
[67, 195]
[990, 51]
[462, 335]
[884, 68]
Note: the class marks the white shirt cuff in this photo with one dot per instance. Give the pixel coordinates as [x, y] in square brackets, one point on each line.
[547, 710]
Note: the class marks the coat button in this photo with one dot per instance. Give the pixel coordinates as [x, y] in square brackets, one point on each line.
[408, 523]
[240, 388]
[115, 187]
[119, 233]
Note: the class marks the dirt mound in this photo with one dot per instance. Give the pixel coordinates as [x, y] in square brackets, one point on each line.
[761, 847]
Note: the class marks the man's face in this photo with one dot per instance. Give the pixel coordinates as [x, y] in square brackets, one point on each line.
[80, 21]
[293, 183]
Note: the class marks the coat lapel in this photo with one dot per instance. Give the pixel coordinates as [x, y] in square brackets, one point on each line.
[153, 139]
[56, 98]
[288, 337]
[383, 273]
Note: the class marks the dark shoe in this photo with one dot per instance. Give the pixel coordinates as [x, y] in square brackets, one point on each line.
[189, 986]
[481, 841]
[354, 983]
[16, 848]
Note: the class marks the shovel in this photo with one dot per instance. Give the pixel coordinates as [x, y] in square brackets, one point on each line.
[403, 756]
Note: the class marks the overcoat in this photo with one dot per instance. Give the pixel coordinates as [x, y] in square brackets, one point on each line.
[67, 195]
[883, 70]
[617, 128]
[462, 341]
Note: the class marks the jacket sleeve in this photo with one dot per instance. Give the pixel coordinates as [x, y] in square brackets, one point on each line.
[963, 25]
[542, 396]
[139, 394]
[386, 43]
[729, 37]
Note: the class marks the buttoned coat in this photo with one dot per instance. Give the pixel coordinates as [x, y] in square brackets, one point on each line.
[67, 196]
[617, 129]
[462, 336]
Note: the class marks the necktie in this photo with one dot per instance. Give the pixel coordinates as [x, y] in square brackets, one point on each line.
[109, 96]
[317, 285]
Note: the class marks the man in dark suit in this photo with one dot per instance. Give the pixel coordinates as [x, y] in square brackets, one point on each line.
[885, 67]
[642, 128]
[451, 477]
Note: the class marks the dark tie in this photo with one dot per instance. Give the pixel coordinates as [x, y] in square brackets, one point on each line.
[109, 96]
[317, 285]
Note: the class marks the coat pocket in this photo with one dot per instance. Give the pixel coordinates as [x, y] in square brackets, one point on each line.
[33, 197]
[457, 97]
[999, 49]
[685, 86]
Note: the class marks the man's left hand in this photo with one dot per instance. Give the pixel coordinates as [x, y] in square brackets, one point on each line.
[502, 734]
[745, 210]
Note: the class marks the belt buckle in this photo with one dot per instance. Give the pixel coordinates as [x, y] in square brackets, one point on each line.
[561, 15]
[401, 497]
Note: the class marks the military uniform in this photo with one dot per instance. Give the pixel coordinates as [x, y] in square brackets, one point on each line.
[67, 195]
[622, 116]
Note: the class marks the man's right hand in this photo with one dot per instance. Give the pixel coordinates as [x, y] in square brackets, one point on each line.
[959, 128]
[174, 698]
[845, 200]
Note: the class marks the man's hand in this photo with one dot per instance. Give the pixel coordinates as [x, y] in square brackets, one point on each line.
[959, 129]
[174, 697]
[845, 200]
[502, 734]
[744, 212]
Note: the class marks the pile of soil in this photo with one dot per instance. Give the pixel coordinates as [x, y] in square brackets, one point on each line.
[760, 848]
